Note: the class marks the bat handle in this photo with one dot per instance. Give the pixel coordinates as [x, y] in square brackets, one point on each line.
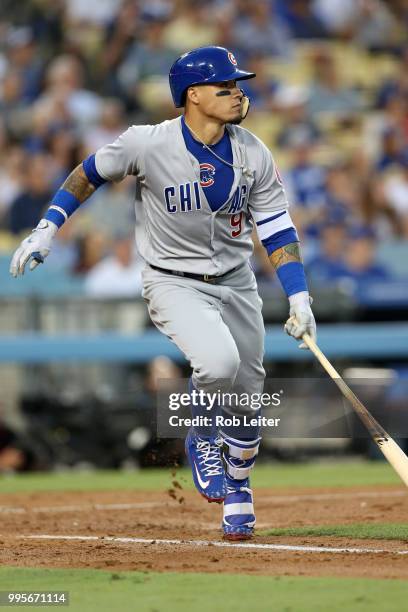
[311, 344]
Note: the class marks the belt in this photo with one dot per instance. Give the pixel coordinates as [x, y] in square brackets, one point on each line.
[206, 278]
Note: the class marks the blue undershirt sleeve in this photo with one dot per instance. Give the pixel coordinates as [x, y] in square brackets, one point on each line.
[279, 239]
[91, 172]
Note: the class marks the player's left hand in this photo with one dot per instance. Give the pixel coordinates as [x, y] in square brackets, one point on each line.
[301, 317]
[35, 248]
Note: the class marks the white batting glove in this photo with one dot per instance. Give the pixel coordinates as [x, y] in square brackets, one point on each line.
[36, 246]
[301, 317]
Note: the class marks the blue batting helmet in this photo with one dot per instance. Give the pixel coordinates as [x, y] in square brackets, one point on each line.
[203, 65]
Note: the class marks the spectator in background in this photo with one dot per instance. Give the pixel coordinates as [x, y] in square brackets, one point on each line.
[342, 191]
[360, 256]
[369, 23]
[109, 127]
[301, 19]
[149, 56]
[396, 113]
[393, 149]
[261, 91]
[375, 27]
[52, 132]
[120, 34]
[48, 114]
[11, 100]
[305, 182]
[397, 85]
[373, 211]
[97, 12]
[27, 208]
[111, 208]
[291, 102]
[193, 26]
[119, 274]
[328, 265]
[327, 93]
[64, 254]
[336, 15]
[24, 58]
[84, 30]
[347, 259]
[225, 27]
[63, 145]
[12, 171]
[65, 82]
[395, 193]
[5, 142]
[260, 31]
[92, 247]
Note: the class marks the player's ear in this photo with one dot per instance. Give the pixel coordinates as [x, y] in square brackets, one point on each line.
[192, 95]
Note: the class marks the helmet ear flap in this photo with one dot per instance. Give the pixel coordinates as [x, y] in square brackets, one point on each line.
[245, 104]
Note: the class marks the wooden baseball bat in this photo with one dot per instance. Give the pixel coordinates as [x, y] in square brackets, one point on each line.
[389, 448]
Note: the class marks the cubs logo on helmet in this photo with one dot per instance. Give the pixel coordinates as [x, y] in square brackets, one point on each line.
[207, 173]
[232, 59]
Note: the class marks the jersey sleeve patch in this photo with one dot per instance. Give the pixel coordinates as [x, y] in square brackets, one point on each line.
[268, 223]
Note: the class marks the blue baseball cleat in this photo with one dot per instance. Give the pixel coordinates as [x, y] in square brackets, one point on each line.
[204, 456]
[239, 518]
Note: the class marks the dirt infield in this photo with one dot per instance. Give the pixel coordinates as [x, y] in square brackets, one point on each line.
[185, 517]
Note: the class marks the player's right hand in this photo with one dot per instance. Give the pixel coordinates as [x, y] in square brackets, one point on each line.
[35, 247]
[301, 319]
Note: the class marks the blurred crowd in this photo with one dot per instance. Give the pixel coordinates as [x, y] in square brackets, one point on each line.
[330, 99]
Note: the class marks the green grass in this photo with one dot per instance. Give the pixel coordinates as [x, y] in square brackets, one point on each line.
[363, 531]
[274, 475]
[100, 591]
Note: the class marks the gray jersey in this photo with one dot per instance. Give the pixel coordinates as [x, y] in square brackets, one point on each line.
[175, 226]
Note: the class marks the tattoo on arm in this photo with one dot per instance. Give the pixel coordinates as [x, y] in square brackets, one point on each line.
[78, 184]
[286, 254]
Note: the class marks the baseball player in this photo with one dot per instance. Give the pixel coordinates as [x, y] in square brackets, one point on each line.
[202, 184]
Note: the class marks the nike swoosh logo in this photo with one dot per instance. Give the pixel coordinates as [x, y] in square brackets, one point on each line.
[203, 483]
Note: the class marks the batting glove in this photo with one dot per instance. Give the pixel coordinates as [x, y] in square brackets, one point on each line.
[35, 247]
[301, 317]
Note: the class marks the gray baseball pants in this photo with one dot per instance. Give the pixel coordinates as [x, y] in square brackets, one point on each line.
[218, 326]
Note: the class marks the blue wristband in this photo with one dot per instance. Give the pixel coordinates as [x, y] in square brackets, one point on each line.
[292, 277]
[64, 203]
